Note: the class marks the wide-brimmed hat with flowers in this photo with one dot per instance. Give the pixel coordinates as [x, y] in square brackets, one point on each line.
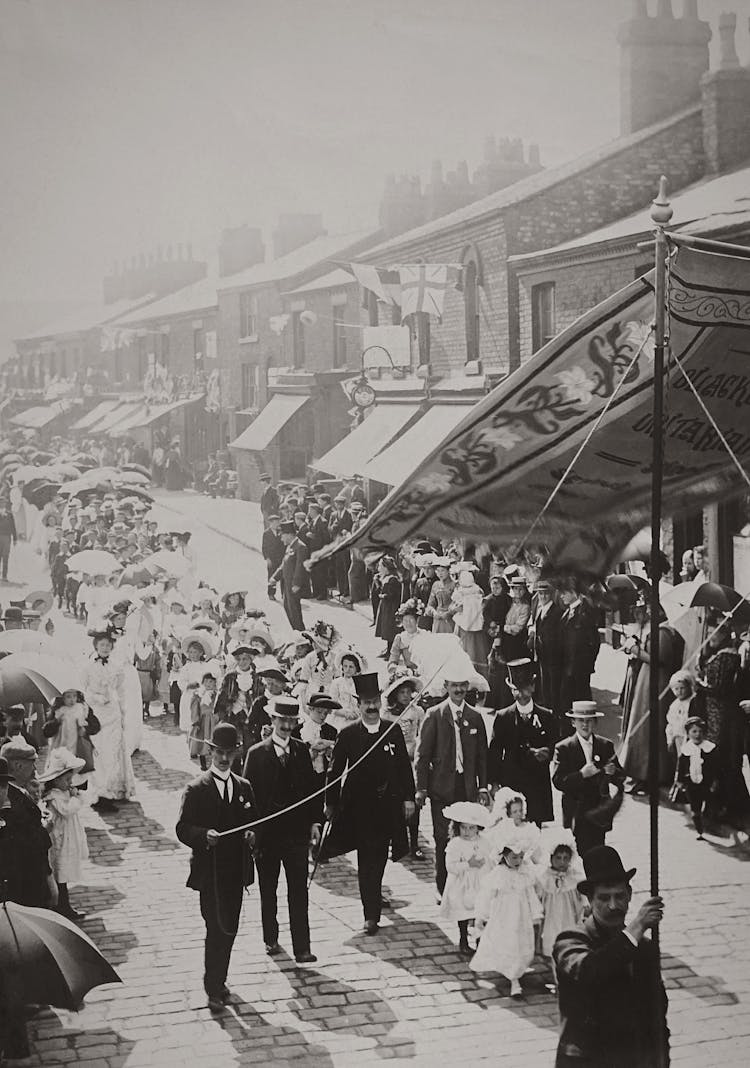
[470, 812]
[206, 641]
[60, 761]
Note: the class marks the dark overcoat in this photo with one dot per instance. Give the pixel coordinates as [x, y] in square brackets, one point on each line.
[513, 738]
[202, 809]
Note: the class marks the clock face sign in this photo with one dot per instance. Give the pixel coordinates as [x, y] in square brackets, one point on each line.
[363, 395]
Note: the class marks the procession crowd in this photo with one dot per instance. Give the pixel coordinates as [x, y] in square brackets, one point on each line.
[482, 707]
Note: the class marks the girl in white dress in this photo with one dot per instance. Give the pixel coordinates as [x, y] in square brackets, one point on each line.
[69, 712]
[509, 809]
[69, 845]
[467, 860]
[507, 909]
[557, 886]
[197, 646]
[342, 690]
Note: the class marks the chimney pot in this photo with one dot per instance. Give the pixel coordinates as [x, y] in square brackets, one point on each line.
[728, 58]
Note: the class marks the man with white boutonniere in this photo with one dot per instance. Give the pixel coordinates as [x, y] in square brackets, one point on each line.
[370, 811]
[221, 865]
[589, 776]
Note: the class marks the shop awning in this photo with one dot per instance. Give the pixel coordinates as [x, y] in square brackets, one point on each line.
[148, 414]
[394, 464]
[40, 416]
[118, 415]
[97, 413]
[261, 432]
[557, 458]
[354, 452]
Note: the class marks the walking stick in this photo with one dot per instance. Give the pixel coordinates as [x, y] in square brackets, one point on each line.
[321, 843]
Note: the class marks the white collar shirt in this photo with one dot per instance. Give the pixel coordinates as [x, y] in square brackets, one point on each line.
[224, 784]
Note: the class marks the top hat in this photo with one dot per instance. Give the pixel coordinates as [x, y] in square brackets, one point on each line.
[367, 686]
[60, 760]
[584, 710]
[288, 527]
[5, 775]
[602, 864]
[521, 672]
[13, 615]
[225, 736]
[284, 706]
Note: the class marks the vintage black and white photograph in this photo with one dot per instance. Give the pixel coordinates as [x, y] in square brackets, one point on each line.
[374, 533]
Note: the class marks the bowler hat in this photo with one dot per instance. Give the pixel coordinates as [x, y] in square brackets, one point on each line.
[5, 775]
[367, 686]
[602, 864]
[225, 736]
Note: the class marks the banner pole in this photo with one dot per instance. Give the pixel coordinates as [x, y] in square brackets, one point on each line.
[661, 213]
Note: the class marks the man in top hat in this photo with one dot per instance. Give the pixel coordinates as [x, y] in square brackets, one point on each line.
[613, 1006]
[370, 811]
[584, 767]
[272, 550]
[545, 642]
[451, 761]
[281, 774]
[269, 498]
[293, 574]
[523, 741]
[318, 538]
[580, 646]
[220, 866]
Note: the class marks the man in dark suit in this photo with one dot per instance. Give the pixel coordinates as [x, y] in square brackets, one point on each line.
[293, 574]
[583, 768]
[613, 1006]
[341, 523]
[523, 739]
[272, 550]
[319, 537]
[269, 498]
[451, 761]
[580, 646]
[280, 772]
[25, 873]
[546, 644]
[221, 865]
[370, 812]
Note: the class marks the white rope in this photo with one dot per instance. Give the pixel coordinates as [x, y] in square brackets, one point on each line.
[347, 771]
[595, 426]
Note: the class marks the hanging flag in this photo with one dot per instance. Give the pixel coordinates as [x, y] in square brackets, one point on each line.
[423, 287]
[385, 284]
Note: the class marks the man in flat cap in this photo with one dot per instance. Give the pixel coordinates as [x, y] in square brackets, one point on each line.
[370, 811]
[612, 1000]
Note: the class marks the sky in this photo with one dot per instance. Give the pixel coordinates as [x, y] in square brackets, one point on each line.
[128, 124]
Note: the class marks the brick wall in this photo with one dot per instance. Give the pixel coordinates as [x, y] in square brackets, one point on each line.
[319, 335]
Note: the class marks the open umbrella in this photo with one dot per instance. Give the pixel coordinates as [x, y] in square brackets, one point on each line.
[35, 677]
[129, 490]
[131, 478]
[139, 468]
[133, 576]
[12, 457]
[84, 461]
[42, 456]
[723, 599]
[173, 564]
[42, 493]
[627, 583]
[25, 641]
[94, 562]
[54, 962]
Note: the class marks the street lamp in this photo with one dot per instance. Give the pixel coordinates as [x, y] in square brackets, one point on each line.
[362, 392]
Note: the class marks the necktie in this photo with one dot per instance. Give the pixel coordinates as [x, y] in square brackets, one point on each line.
[223, 788]
[283, 755]
[459, 747]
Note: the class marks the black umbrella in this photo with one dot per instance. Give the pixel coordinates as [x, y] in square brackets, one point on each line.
[723, 599]
[136, 467]
[628, 583]
[42, 494]
[85, 461]
[134, 491]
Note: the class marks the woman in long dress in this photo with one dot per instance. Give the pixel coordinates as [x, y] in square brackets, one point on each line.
[634, 753]
[467, 606]
[441, 594]
[390, 599]
[726, 725]
[113, 778]
[124, 626]
[636, 634]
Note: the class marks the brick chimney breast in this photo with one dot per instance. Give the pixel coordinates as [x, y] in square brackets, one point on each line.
[662, 60]
[726, 105]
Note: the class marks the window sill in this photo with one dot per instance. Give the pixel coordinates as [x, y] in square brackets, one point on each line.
[251, 338]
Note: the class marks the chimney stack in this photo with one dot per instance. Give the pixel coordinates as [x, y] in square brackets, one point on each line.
[662, 61]
[294, 230]
[239, 248]
[726, 105]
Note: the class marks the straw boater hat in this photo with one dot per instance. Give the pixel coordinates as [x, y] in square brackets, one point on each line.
[206, 641]
[60, 760]
[584, 710]
[467, 812]
[284, 706]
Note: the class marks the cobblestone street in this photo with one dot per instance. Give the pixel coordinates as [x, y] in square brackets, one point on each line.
[404, 995]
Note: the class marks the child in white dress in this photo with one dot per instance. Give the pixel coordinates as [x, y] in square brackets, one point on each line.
[557, 886]
[507, 909]
[69, 847]
[342, 690]
[509, 809]
[467, 860]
